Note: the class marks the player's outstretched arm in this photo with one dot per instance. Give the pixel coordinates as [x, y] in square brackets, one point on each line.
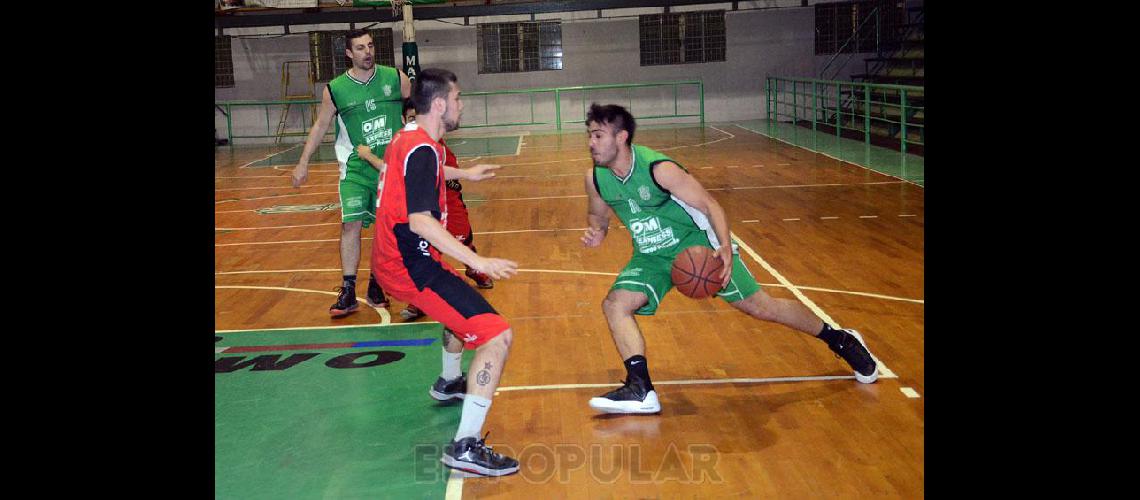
[475, 173]
[686, 188]
[423, 224]
[324, 119]
[597, 215]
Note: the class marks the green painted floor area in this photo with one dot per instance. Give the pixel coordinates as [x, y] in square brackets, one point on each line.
[321, 428]
[909, 167]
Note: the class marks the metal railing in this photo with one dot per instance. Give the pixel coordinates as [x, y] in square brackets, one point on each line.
[503, 108]
[228, 108]
[872, 109]
[546, 105]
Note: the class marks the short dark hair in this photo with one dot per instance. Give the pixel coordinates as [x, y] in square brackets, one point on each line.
[612, 114]
[431, 83]
[408, 104]
[352, 35]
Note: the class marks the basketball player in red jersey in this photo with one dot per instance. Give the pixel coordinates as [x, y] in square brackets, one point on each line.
[458, 223]
[410, 234]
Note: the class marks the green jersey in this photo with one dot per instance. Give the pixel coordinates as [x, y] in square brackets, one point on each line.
[367, 113]
[660, 223]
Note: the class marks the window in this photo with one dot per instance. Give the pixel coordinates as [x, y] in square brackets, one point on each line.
[326, 52]
[682, 38]
[223, 63]
[521, 46]
[863, 26]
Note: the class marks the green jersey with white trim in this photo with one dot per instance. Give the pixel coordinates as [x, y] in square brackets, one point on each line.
[367, 113]
[660, 223]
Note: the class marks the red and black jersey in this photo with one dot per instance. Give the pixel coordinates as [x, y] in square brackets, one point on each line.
[413, 182]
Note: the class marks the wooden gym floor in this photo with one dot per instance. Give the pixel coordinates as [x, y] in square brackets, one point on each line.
[310, 406]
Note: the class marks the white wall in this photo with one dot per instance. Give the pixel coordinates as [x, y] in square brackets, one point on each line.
[777, 42]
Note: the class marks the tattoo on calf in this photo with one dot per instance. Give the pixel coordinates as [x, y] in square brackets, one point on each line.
[484, 376]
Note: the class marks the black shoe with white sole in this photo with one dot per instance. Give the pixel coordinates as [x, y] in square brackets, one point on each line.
[443, 390]
[631, 397]
[473, 455]
[853, 349]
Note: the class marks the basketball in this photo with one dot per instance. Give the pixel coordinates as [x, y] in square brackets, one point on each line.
[696, 272]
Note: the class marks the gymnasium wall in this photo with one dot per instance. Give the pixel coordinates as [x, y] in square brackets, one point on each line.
[778, 42]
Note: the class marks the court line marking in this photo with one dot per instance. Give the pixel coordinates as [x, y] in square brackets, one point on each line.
[910, 393]
[763, 380]
[274, 187]
[272, 227]
[271, 156]
[322, 327]
[589, 273]
[828, 155]
[734, 188]
[385, 318]
[886, 372]
[269, 197]
[454, 484]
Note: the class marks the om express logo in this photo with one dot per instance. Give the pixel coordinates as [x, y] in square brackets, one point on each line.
[376, 132]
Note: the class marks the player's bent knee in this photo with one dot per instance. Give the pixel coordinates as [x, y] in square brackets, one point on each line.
[613, 306]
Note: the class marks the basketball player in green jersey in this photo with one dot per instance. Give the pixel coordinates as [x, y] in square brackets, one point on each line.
[666, 211]
[368, 102]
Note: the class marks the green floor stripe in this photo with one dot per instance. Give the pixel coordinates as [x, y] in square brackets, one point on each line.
[322, 428]
[909, 167]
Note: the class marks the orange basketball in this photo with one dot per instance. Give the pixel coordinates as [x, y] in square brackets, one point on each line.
[696, 272]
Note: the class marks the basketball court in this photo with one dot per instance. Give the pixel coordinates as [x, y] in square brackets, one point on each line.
[307, 406]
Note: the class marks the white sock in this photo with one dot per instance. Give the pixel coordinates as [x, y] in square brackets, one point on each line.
[452, 364]
[474, 413]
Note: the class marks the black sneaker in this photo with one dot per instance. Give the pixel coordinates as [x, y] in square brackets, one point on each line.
[474, 456]
[443, 390]
[375, 297]
[345, 302]
[411, 313]
[853, 349]
[629, 398]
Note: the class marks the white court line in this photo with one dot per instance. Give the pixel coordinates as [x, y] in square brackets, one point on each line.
[827, 155]
[907, 215]
[799, 295]
[323, 327]
[765, 380]
[910, 393]
[828, 218]
[590, 273]
[278, 242]
[271, 197]
[454, 484]
[272, 227]
[385, 318]
[272, 155]
[750, 221]
[790, 219]
[290, 186]
[733, 166]
[868, 216]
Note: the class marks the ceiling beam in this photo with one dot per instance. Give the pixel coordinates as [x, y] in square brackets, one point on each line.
[384, 14]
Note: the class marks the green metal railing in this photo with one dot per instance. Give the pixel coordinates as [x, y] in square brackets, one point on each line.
[228, 107]
[540, 106]
[550, 102]
[872, 109]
